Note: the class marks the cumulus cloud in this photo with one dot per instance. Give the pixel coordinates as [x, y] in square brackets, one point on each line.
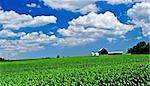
[27, 42]
[91, 27]
[83, 6]
[140, 15]
[33, 5]
[13, 20]
[116, 2]
[21, 41]
[140, 0]
[7, 33]
[119, 1]
[89, 8]
[139, 38]
[38, 37]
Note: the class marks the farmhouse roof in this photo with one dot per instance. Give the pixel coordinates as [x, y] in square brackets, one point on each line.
[115, 52]
[101, 49]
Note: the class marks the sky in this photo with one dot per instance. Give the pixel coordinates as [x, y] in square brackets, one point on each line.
[32, 29]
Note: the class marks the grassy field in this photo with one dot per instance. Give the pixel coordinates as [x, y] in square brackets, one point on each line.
[116, 70]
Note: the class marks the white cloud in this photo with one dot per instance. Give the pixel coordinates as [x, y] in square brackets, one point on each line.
[89, 8]
[140, 0]
[27, 42]
[24, 42]
[7, 33]
[139, 37]
[38, 37]
[13, 20]
[91, 27]
[116, 2]
[33, 5]
[83, 6]
[140, 15]
[119, 1]
[0, 7]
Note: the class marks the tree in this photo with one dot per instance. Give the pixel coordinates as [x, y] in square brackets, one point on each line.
[2, 59]
[140, 48]
[147, 49]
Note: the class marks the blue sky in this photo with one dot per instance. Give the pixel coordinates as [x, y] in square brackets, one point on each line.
[47, 28]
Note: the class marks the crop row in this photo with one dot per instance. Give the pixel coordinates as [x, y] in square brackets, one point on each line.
[93, 76]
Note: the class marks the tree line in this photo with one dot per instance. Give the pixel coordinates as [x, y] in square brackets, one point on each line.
[140, 48]
[2, 59]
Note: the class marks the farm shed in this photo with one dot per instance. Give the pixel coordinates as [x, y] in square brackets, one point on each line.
[115, 53]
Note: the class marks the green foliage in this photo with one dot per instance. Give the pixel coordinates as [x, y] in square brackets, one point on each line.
[140, 48]
[122, 70]
[2, 59]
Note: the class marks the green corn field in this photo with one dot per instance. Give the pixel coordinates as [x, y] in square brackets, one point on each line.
[115, 70]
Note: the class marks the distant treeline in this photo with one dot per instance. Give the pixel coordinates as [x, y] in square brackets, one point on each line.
[2, 59]
[140, 48]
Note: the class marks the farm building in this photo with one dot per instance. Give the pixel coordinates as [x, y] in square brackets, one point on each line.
[103, 51]
[115, 53]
